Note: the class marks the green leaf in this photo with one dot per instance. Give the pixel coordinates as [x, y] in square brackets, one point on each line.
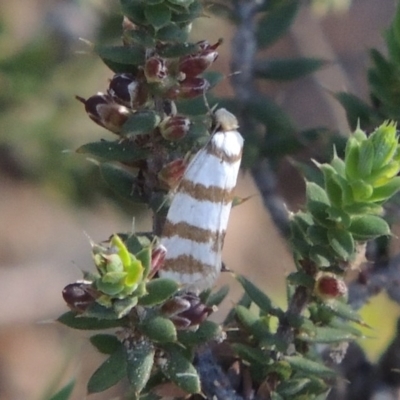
[287, 69]
[206, 332]
[140, 123]
[175, 50]
[123, 56]
[109, 373]
[368, 227]
[309, 367]
[180, 370]
[293, 386]
[332, 185]
[301, 278]
[244, 301]
[318, 203]
[246, 317]
[158, 15]
[194, 11]
[124, 152]
[326, 335]
[385, 192]
[216, 298]
[366, 158]
[159, 329]
[140, 363]
[158, 290]
[250, 354]
[106, 344]
[144, 256]
[356, 110]
[276, 23]
[272, 116]
[65, 392]
[344, 311]
[121, 181]
[255, 294]
[172, 32]
[134, 10]
[72, 320]
[341, 242]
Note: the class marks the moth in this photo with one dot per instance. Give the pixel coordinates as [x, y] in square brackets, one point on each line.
[197, 219]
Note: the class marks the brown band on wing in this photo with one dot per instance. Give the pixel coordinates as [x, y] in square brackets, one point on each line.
[186, 264]
[200, 192]
[188, 231]
[221, 154]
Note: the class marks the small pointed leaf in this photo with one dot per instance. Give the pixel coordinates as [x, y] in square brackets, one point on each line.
[216, 298]
[121, 181]
[104, 343]
[180, 370]
[159, 329]
[287, 69]
[276, 23]
[140, 362]
[140, 123]
[65, 392]
[109, 373]
[125, 151]
[72, 320]
[293, 386]
[326, 335]
[368, 227]
[255, 294]
[309, 367]
[206, 332]
[158, 15]
[158, 290]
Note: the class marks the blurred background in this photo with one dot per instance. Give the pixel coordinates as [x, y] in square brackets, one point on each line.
[52, 198]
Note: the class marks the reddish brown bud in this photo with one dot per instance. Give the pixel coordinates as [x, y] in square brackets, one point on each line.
[102, 110]
[329, 286]
[78, 296]
[174, 128]
[157, 259]
[172, 173]
[186, 310]
[155, 69]
[175, 306]
[188, 88]
[195, 64]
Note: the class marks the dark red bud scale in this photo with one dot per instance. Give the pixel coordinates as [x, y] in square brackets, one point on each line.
[174, 128]
[171, 174]
[78, 297]
[155, 69]
[195, 64]
[188, 88]
[124, 88]
[105, 112]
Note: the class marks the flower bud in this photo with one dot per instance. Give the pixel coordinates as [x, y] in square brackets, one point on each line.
[195, 64]
[174, 128]
[78, 296]
[186, 311]
[157, 259]
[188, 88]
[329, 286]
[127, 90]
[102, 110]
[172, 173]
[155, 69]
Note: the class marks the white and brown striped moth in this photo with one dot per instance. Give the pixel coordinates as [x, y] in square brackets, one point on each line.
[198, 217]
